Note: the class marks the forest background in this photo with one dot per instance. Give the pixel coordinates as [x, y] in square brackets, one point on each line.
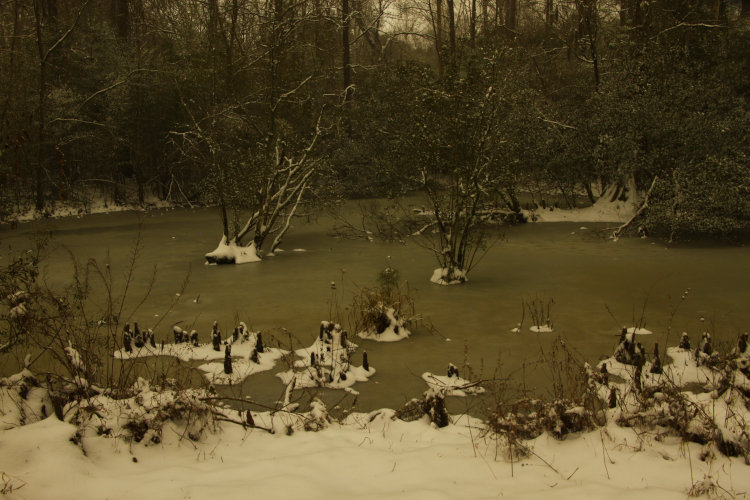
[232, 102]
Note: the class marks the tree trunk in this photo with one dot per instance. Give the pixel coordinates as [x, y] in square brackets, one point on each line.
[473, 24]
[485, 19]
[511, 15]
[439, 35]
[745, 12]
[40, 167]
[346, 60]
[121, 18]
[452, 34]
[548, 10]
[589, 192]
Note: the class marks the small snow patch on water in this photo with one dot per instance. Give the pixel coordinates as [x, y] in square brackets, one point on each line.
[639, 331]
[541, 329]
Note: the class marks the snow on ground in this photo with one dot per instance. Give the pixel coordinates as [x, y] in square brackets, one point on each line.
[369, 456]
[603, 210]
[96, 206]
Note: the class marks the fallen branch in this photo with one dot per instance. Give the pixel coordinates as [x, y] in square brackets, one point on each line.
[617, 232]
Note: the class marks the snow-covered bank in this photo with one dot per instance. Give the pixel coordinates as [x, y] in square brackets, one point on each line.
[371, 456]
[169, 442]
[605, 209]
[97, 206]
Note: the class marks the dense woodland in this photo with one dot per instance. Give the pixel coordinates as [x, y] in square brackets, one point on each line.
[262, 106]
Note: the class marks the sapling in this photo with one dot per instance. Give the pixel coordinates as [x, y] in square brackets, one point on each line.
[259, 344]
[236, 334]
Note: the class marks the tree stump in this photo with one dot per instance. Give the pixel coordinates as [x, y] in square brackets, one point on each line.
[228, 359]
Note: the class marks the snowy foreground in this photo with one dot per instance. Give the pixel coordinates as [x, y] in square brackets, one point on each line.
[176, 443]
[367, 456]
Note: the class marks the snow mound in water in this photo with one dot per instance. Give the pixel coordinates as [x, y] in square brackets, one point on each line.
[393, 332]
[231, 253]
[451, 386]
[441, 276]
[327, 363]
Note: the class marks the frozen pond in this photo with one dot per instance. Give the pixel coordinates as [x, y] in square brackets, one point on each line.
[582, 271]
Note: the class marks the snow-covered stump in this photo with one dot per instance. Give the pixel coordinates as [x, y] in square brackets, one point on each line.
[389, 326]
[445, 276]
[216, 337]
[259, 347]
[431, 407]
[704, 353]
[629, 351]
[434, 407]
[326, 363]
[228, 360]
[685, 341]
[126, 340]
[232, 253]
[138, 340]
